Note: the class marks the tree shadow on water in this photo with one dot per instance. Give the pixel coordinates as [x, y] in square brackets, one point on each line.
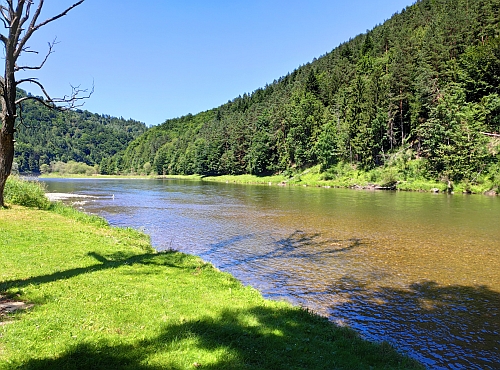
[255, 338]
[442, 326]
[298, 245]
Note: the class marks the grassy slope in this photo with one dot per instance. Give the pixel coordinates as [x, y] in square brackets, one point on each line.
[352, 178]
[104, 300]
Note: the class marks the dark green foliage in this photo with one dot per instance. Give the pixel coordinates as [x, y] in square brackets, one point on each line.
[452, 137]
[480, 70]
[45, 136]
[427, 80]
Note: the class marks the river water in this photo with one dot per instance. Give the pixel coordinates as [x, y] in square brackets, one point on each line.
[421, 271]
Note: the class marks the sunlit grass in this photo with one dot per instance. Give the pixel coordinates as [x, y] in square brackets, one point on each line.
[349, 176]
[103, 299]
[25, 193]
[248, 179]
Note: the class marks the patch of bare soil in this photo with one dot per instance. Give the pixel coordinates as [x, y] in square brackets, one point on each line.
[8, 306]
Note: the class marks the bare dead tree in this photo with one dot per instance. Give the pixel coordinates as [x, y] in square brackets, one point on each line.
[20, 23]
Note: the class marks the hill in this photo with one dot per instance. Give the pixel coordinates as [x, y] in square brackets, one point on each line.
[419, 92]
[46, 136]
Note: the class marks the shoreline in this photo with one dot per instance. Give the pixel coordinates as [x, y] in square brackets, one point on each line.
[107, 294]
[421, 186]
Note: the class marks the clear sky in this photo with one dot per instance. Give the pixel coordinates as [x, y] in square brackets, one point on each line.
[158, 59]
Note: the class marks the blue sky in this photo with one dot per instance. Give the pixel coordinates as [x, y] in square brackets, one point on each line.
[159, 59]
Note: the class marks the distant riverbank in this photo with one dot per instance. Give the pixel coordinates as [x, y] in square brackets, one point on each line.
[356, 180]
[347, 178]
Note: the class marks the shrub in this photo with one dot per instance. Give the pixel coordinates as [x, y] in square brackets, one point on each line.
[25, 193]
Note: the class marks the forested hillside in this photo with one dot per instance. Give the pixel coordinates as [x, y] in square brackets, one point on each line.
[45, 136]
[419, 92]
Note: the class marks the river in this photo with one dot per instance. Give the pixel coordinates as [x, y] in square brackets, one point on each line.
[419, 270]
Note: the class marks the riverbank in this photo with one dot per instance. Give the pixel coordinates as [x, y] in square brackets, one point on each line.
[343, 176]
[347, 177]
[100, 297]
[97, 176]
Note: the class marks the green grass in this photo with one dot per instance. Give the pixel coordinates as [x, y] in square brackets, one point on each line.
[57, 175]
[103, 299]
[248, 179]
[347, 176]
[25, 193]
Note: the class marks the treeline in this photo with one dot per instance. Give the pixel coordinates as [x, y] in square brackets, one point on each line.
[46, 136]
[425, 83]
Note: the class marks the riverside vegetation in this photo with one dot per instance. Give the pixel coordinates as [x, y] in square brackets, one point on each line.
[413, 103]
[414, 100]
[102, 298]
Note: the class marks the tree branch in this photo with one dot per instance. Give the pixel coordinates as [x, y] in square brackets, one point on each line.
[36, 82]
[33, 26]
[70, 100]
[40, 100]
[26, 12]
[24, 68]
[490, 134]
[5, 17]
[17, 20]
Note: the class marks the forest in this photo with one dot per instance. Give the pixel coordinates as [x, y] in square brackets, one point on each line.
[420, 91]
[418, 94]
[48, 137]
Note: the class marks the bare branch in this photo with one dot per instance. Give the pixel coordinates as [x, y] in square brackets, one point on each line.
[75, 97]
[40, 100]
[27, 50]
[70, 101]
[24, 68]
[33, 26]
[27, 12]
[5, 17]
[17, 20]
[5, 25]
[21, 118]
[490, 134]
[10, 9]
[36, 82]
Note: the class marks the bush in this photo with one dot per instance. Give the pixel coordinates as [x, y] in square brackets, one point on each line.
[25, 193]
[70, 168]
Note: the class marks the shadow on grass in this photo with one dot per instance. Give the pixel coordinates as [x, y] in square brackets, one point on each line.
[105, 263]
[297, 245]
[251, 338]
[256, 338]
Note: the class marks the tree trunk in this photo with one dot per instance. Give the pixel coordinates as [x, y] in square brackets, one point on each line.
[21, 24]
[6, 154]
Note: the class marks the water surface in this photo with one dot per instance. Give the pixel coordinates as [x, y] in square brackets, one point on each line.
[418, 270]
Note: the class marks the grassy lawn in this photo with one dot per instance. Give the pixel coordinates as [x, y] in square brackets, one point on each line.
[103, 299]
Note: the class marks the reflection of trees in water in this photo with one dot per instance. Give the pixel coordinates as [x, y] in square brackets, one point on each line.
[443, 326]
